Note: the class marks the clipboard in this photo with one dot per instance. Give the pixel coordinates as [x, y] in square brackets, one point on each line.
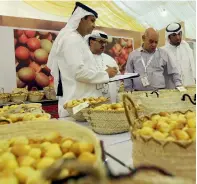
[125, 76]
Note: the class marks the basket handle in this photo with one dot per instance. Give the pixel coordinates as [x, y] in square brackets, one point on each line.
[187, 95]
[34, 89]
[155, 92]
[150, 168]
[130, 109]
[2, 90]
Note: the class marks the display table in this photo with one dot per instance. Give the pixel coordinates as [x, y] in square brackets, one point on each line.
[119, 145]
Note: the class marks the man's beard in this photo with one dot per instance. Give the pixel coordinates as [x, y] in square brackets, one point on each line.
[175, 44]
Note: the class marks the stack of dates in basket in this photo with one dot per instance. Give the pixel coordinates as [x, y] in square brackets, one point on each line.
[79, 103]
[166, 139]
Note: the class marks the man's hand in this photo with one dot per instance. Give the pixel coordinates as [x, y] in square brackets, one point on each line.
[112, 71]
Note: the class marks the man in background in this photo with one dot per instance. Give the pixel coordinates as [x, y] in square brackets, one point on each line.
[97, 41]
[71, 62]
[181, 53]
[152, 64]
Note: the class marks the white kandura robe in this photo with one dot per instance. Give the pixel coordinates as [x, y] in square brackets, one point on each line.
[183, 57]
[78, 72]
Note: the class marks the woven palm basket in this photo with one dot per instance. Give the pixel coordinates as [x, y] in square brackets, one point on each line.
[79, 116]
[50, 93]
[4, 97]
[18, 97]
[35, 96]
[38, 129]
[178, 157]
[107, 122]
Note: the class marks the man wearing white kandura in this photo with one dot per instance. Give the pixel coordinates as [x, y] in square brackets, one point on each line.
[71, 62]
[181, 53]
[97, 42]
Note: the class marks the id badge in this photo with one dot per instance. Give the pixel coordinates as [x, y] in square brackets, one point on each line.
[145, 81]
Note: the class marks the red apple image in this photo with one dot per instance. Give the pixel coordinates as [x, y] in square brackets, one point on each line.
[22, 53]
[33, 44]
[41, 56]
[42, 80]
[23, 39]
[36, 67]
[30, 34]
[26, 74]
[18, 33]
[117, 49]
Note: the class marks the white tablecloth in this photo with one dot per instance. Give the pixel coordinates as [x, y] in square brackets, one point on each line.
[119, 145]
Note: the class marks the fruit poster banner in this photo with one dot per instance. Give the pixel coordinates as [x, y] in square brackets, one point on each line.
[32, 49]
[119, 48]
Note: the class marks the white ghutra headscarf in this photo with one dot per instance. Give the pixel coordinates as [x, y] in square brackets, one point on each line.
[173, 28]
[96, 34]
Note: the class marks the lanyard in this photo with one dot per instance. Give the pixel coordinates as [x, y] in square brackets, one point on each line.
[148, 63]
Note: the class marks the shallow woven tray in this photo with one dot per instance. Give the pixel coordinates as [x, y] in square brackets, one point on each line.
[178, 157]
[107, 122]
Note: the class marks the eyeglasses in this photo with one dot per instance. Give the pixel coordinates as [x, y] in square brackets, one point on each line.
[101, 42]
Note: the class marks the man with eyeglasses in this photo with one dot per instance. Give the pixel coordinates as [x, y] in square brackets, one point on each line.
[181, 53]
[97, 41]
[152, 63]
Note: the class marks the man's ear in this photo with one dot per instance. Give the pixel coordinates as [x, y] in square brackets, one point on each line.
[91, 42]
[143, 37]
